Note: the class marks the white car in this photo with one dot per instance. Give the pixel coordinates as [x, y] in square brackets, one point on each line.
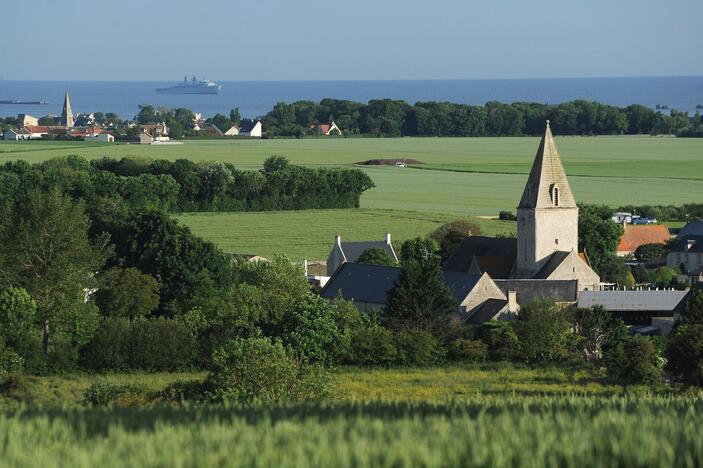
[400, 164]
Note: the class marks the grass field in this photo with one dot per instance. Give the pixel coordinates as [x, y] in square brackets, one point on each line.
[347, 384]
[475, 416]
[310, 233]
[461, 177]
[485, 432]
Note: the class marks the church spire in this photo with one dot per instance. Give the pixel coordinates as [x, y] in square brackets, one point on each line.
[66, 113]
[547, 185]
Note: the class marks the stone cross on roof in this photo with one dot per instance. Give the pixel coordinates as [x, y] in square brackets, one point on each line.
[547, 185]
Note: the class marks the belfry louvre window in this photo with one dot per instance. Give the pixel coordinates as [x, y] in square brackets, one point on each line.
[555, 194]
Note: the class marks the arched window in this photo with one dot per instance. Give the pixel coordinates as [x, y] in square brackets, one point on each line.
[555, 195]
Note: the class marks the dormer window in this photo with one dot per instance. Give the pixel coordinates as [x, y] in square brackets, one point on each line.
[555, 194]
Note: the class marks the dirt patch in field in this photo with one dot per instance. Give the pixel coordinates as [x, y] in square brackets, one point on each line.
[388, 162]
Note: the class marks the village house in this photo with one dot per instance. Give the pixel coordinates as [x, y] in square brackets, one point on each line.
[250, 128]
[635, 235]
[17, 134]
[327, 128]
[368, 285]
[210, 130]
[343, 252]
[232, 131]
[686, 254]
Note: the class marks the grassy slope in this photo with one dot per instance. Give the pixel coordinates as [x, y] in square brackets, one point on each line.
[310, 233]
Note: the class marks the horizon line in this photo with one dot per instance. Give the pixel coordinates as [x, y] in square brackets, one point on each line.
[369, 79]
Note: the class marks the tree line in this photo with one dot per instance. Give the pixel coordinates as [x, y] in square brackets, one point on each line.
[183, 185]
[387, 117]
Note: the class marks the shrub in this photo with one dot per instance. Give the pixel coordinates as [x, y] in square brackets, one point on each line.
[501, 339]
[450, 235]
[684, 354]
[650, 252]
[638, 362]
[372, 345]
[507, 216]
[154, 345]
[468, 351]
[180, 391]
[103, 393]
[18, 312]
[419, 348]
[161, 345]
[664, 276]
[262, 370]
[543, 331]
[310, 328]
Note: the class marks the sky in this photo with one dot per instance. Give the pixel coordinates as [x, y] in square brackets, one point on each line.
[230, 40]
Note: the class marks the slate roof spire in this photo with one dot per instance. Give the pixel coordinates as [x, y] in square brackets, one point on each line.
[66, 113]
[547, 185]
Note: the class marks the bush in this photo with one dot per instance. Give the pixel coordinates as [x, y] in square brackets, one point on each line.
[180, 391]
[262, 370]
[310, 328]
[501, 339]
[450, 235]
[419, 348]
[507, 216]
[372, 345]
[638, 362]
[153, 345]
[543, 331]
[468, 351]
[103, 393]
[684, 354]
[664, 276]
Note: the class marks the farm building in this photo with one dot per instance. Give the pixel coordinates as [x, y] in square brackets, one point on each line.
[343, 252]
[327, 128]
[635, 235]
[653, 308]
[250, 129]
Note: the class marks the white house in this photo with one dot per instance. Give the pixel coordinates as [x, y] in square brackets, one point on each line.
[233, 131]
[327, 128]
[100, 137]
[250, 129]
[17, 134]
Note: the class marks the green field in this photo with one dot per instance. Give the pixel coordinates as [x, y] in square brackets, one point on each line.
[461, 177]
[310, 233]
[499, 415]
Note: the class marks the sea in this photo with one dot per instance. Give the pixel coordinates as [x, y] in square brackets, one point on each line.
[255, 98]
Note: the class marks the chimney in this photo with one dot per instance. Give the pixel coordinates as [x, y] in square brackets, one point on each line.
[338, 241]
[388, 238]
[305, 266]
[512, 302]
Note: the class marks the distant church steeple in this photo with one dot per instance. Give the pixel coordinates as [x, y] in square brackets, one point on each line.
[547, 213]
[66, 113]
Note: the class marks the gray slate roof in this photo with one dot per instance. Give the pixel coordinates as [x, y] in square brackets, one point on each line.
[692, 228]
[556, 259]
[486, 311]
[530, 290]
[681, 244]
[616, 301]
[353, 250]
[247, 126]
[496, 256]
[371, 283]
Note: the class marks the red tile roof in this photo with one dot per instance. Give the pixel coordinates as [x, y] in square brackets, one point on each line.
[37, 128]
[636, 235]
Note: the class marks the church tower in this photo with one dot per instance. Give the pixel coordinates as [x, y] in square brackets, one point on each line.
[66, 113]
[547, 215]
